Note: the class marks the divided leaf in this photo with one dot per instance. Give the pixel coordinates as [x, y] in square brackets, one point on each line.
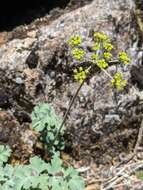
[55, 166]
[5, 153]
[44, 116]
[45, 121]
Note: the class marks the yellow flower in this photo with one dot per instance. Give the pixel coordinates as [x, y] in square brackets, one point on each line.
[108, 46]
[96, 46]
[80, 74]
[102, 64]
[94, 56]
[100, 37]
[77, 53]
[75, 40]
[123, 57]
[107, 55]
[118, 82]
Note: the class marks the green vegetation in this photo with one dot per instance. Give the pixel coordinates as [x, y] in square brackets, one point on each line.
[5, 152]
[38, 175]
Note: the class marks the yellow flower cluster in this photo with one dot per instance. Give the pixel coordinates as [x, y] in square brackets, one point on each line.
[75, 40]
[108, 46]
[80, 74]
[77, 53]
[107, 55]
[123, 57]
[94, 56]
[96, 46]
[100, 37]
[102, 64]
[100, 54]
[118, 82]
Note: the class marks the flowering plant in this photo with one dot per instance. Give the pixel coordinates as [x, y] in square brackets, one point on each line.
[100, 55]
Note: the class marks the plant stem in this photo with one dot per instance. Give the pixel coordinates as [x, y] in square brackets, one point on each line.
[67, 112]
[69, 108]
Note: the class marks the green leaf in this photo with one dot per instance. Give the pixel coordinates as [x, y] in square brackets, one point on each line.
[55, 183]
[76, 183]
[45, 120]
[38, 175]
[5, 152]
[55, 166]
[43, 116]
[35, 162]
[50, 136]
[70, 172]
[43, 182]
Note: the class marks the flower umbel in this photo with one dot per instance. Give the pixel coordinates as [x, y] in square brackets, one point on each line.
[80, 74]
[94, 56]
[123, 57]
[100, 37]
[108, 46]
[118, 82]
[100, 54]
[102, 64]
[75, 40]
[96, 46]
[77, 53]
[107, 55]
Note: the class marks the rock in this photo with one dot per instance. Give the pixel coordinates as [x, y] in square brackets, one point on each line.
[137, 75]
[14, 54]
[16, 136]
[34, 82]
[112, 118]
[32, 60]
[19, 80]
[8, 128]
[4, 99]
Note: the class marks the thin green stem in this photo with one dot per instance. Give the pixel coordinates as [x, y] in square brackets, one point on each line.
[69, 108]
